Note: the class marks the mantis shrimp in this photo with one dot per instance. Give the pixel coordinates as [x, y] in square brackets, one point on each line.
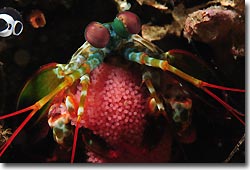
[102, 40]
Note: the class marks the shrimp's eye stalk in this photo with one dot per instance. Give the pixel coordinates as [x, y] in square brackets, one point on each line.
[126, 23]
[97, 35]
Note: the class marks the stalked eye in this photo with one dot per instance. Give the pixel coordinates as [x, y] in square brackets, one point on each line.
[126, 23]
[97, 35]
[131, 21]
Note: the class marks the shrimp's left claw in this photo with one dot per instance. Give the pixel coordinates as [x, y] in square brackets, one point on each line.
[35, 107]
[68, 81]
[40, 80]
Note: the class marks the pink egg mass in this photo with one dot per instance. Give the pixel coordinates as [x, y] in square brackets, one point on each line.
[115, 110]
[116, 106]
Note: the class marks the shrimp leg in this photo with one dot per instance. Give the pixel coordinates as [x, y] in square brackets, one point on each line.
[145, 59]
[155, 101]
[85, 80]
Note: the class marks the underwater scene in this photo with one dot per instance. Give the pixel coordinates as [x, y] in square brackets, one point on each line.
[122, 81]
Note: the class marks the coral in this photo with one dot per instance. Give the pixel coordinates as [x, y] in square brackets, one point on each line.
[154, 32]
[211, 24]
[37, 19]
[201, 21]
[122, 5]
[154, 4]
[4, 134]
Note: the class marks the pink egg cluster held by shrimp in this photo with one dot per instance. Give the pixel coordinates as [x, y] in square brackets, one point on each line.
[115, 106]
[115, 110]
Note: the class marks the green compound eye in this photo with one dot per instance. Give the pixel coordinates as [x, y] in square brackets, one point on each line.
[126, 23]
